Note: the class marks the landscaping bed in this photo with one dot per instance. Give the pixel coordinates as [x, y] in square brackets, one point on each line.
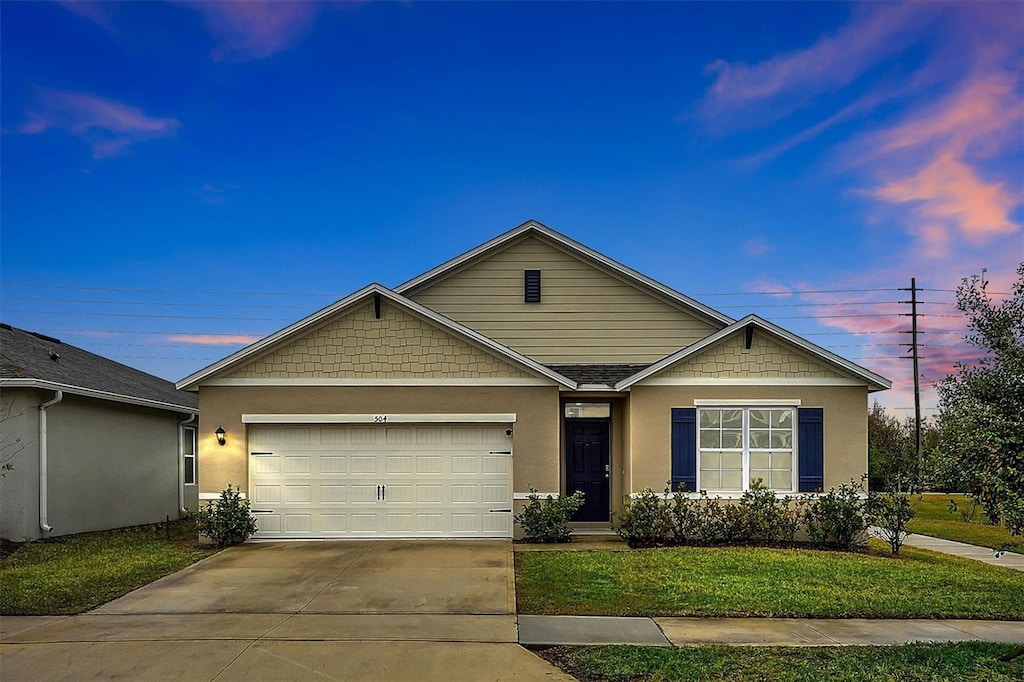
[74, 573]
[907, 663]
[748, 581]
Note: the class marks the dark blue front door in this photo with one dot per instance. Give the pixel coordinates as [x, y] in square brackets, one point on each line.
[587, 466]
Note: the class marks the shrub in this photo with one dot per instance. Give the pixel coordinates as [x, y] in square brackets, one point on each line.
[762, 518]
[837, 518]
[643, 520]
[544, 519]
[890, 513]
[226, 521]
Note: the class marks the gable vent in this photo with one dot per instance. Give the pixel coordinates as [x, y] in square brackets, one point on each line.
[531, 286]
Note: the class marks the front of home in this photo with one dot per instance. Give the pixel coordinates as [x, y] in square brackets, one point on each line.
[528, 363]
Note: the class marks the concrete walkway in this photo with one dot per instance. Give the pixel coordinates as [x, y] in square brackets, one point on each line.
[962, 549]
[665, 632]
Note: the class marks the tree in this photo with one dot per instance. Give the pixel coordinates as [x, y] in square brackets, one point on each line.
[981, 405]
[891, 456]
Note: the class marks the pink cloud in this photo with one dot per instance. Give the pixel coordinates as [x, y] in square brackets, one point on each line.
[949, 190]
[100, 13]
[756, 247]
[247, 31]
[214, 339]
[107, 126]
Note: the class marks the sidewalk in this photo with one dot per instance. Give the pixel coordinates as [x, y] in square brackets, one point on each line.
[668, 632]
[962, 549]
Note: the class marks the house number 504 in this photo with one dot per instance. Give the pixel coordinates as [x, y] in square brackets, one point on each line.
[380, 418]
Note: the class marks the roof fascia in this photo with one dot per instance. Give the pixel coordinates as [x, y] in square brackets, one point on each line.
[96, 393]
[191, 382]
[578, 249]
[873, 380]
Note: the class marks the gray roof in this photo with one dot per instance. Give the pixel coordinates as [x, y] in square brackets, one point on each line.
[27, 356]
[607, 375]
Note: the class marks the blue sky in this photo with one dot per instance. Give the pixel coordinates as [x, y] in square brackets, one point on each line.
[179, 178]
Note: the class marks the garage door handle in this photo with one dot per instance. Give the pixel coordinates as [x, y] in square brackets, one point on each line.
[262, 454]
[499, 511]
[261, 511]
[501, 452]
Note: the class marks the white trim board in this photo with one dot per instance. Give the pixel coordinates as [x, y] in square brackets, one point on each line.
[542, 496]
[411, 381]
[381, 418]
[712, 402]
[750, 381]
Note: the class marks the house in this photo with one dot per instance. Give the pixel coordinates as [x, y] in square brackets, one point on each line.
[530, 362]
[92, 444]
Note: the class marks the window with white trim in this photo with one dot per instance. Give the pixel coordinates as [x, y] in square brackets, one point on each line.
[739, 445]
[188, 454]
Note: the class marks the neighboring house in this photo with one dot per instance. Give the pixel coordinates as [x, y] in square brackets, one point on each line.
[93, 444]
[529, 362]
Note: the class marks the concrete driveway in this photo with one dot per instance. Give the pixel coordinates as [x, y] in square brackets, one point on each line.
[381, 610]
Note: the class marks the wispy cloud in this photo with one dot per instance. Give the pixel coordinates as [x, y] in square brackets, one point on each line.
[214, 339]
[216, 195]
[755, 247]
[108, 127]
[100, 13]
[247, 31]
[743, 94]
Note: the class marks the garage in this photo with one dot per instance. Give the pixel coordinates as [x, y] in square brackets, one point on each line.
[399, 476]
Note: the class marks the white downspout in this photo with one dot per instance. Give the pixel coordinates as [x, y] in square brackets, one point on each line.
[59, 396]
[181, 462]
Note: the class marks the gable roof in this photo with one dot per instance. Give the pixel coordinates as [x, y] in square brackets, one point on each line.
[30, 360]
[576, 249]
[322, 316]
[874, 381]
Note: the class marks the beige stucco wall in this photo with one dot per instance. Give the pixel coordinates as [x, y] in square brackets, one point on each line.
[586, 314]
[110, 465]
[397, 345]
[19, 445]
[535, 440]
[766, 357]
[845, 426]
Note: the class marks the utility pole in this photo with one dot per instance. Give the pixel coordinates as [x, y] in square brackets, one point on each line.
[917, 377]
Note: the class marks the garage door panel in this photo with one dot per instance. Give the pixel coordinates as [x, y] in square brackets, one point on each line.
[435, 480]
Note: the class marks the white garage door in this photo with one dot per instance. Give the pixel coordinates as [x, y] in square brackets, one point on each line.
[369, 480]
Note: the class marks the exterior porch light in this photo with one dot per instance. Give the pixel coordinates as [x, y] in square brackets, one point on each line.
[220, 435]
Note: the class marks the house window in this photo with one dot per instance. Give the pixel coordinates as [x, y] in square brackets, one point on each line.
[188, 453]
[739, 445]
[531, 286]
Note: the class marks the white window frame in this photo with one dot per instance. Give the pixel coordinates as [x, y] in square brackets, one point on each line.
[745, 408]
[189, 432]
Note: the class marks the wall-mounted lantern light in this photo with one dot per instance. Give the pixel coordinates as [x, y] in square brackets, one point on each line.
[220, 435]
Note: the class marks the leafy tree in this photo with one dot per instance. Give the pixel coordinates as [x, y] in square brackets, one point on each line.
[982, 405]
[891, 456]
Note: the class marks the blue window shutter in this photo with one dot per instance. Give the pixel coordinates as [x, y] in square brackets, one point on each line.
[684, 448]
[812, 448]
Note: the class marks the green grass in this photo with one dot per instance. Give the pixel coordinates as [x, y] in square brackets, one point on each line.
[907, 663]
[75, 573]
[744, 581]
[933, 518]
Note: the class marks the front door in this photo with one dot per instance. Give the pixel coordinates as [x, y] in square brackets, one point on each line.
[587, 466]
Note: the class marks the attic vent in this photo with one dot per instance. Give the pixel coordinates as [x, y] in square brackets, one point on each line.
[531, 286]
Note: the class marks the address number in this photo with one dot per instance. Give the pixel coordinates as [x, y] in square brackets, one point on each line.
[380, 418]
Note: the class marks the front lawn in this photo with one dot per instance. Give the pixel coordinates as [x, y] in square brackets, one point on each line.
[746, 581]
[933, 518]
[75, 573]
[907, 663]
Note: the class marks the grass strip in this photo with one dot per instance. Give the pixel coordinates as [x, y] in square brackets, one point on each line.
[75, 573]
[906, 663]
[745, 581]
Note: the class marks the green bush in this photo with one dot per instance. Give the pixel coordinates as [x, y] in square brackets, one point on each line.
[226, 521]
[836, 518]
[890, 513]
[544, 519]
[643, 520]
[762, 518]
